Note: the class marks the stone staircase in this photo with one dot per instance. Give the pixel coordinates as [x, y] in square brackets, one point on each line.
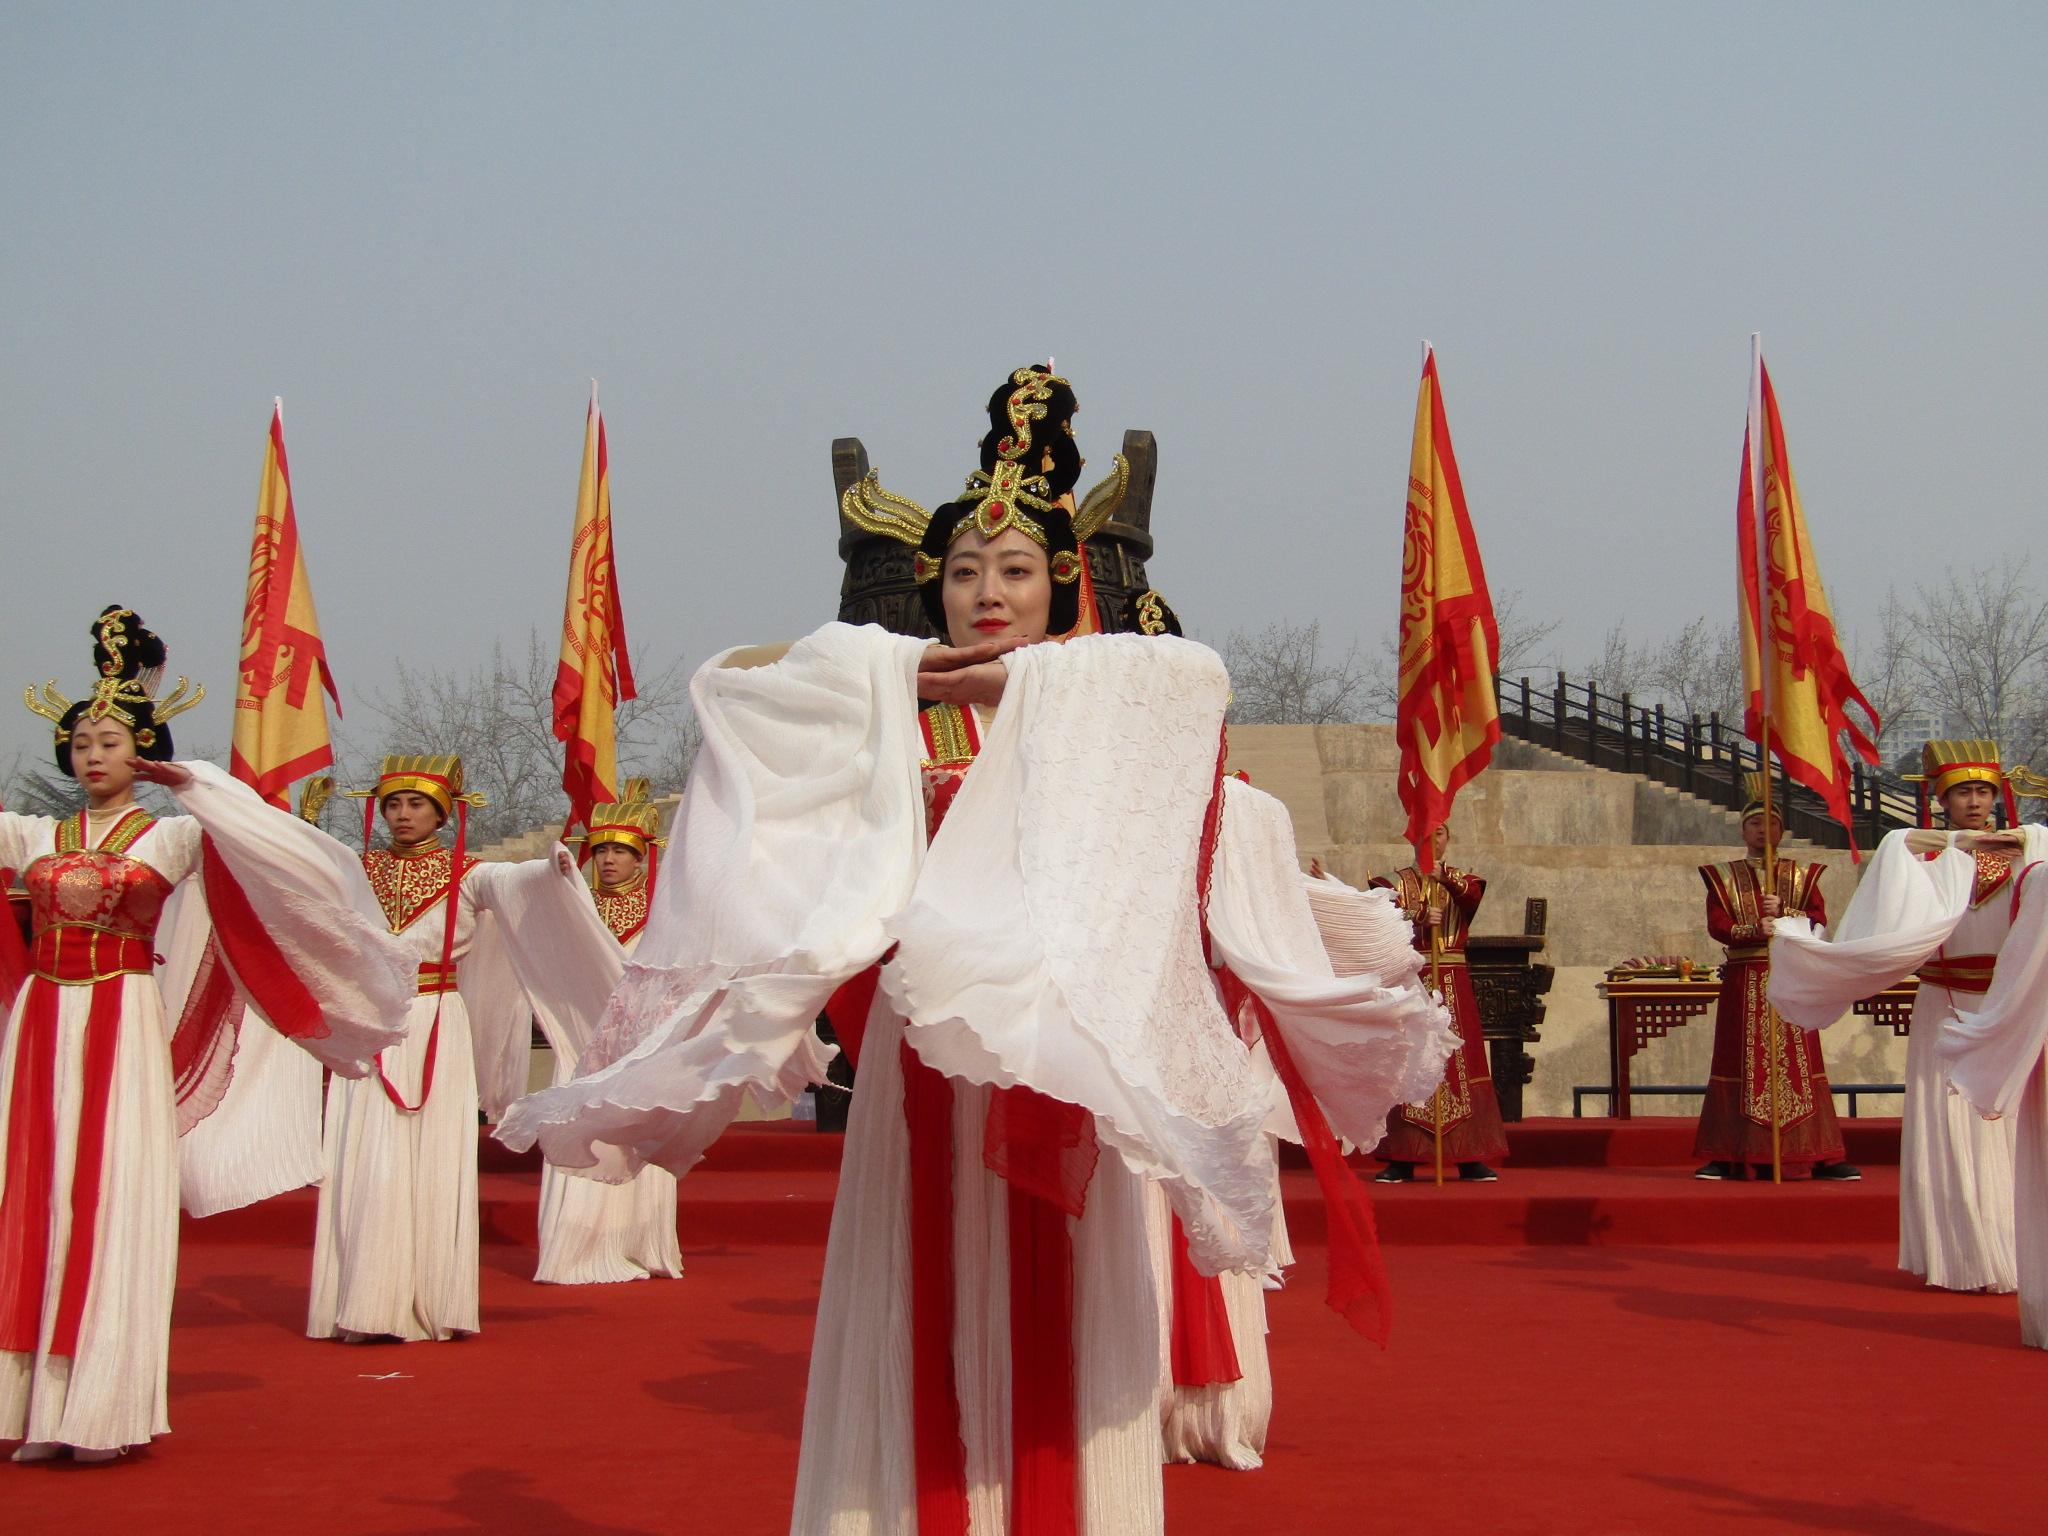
[1614, 854]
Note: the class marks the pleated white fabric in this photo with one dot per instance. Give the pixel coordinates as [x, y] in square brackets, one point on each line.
[1225, 1424]
[112, 1391]
[1956, 1169]
[598, 1234]
[591, 1233]
[1366, 1035]
[264, 1138]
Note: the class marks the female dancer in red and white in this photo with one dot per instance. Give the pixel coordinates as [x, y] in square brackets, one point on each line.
[1010, 894]
[395, 1250]
[93, 1080]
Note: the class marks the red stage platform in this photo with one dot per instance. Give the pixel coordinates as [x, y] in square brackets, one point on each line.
[1581, 1348]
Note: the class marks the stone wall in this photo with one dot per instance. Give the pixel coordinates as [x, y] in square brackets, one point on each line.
[1616, 856]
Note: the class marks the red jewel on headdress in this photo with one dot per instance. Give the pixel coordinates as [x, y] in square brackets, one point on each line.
[997, 511]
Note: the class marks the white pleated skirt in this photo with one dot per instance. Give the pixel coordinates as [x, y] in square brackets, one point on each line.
[601, 1234]
[1955, 1171]
[111, 1392]
[395, 1252]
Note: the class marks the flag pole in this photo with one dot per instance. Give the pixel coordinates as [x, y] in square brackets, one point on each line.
[1760, 531]
[1436, 983]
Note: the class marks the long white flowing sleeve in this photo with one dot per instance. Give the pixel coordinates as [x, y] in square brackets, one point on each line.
[800, 832]
[1366, 1034]
[1054, 940]
[1903, 911]
[1991, 1053]
[309, 947]
[540, 950]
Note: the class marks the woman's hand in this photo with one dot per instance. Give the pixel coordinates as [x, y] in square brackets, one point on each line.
[965, 674]
[170, 775]
[565, 861]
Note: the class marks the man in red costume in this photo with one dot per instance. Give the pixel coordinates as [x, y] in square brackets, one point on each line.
[1735, 1118]
[1441, 905]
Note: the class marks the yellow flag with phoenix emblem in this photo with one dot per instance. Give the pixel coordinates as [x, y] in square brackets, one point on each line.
[1448, 717]
[1799, 690]
[594, 675]
[280, 718]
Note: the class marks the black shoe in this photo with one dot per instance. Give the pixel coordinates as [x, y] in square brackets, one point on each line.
[1715, 1170]
[1840, 1173]
[1395, 1173]
[1476, 1173]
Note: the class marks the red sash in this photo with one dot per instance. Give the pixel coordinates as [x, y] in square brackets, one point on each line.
[27, 1206]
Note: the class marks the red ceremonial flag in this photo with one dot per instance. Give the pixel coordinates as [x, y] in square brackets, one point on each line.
[280, 719]
[1797, 679]
[1448, 717]
[594, 675]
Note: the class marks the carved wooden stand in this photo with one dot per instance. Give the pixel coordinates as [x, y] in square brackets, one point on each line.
[1509, 983]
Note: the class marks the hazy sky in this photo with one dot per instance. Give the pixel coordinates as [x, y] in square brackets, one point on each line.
[761, 227]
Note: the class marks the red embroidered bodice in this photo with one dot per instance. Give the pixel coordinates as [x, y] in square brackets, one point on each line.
[951, 739]
[100, 887]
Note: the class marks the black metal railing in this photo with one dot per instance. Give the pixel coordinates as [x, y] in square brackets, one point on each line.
[1702, 756]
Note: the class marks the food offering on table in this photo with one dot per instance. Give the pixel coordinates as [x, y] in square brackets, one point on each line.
[1660, 968]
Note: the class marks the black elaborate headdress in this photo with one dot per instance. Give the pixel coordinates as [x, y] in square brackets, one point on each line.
[1031, 420]
[129, 658]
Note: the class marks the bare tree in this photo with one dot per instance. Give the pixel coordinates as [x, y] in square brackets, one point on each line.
[499, 716]
[34, 789]
[1884, 669]
[1697, 671]
[1521, 636]
[1624, 664]
[1979, 657]
[1280, 676]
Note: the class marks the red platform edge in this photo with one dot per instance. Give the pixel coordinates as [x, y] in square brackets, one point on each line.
[1566, 1182]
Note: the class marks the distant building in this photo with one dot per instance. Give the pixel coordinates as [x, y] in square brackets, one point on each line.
[1906, 733]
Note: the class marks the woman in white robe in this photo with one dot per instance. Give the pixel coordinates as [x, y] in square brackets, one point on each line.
[1044, 996]
[89, 1108]
[986, 1352]
[395, 1247]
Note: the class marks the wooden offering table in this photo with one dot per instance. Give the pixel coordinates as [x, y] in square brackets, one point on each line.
[1646, 1005]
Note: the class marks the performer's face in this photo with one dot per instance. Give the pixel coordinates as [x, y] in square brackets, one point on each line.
[1753, 832]
[103, 758]
[1439, 840]
[410, 816]
[616, 864]
[996, 589]
[1969, 806]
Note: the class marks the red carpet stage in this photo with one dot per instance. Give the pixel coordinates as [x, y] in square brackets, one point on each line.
[1591, 1345]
